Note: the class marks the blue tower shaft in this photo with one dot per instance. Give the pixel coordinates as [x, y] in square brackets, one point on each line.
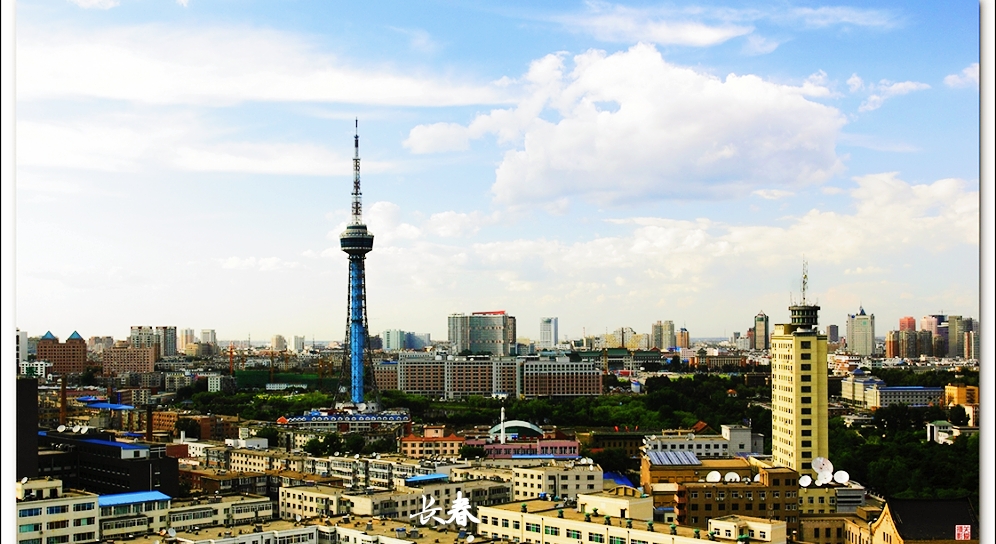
[357, 325]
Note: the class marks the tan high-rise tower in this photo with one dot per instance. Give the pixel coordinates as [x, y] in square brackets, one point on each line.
[799, 389]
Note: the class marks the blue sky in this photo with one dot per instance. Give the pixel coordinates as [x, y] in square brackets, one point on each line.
[611, 164]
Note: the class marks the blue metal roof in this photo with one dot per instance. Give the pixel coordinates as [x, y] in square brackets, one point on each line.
[48, 336]
[425, 478]
[122, 445]
[75, 336]
[131, 498]
[110, 406]
[673, 458]
[619, 479]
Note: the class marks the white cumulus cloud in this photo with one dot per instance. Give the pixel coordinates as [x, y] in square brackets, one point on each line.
[967, 78]
[669, 131]
[886, 89]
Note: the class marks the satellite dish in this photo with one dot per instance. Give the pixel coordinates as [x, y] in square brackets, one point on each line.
[357, 456]
[84, 429]
[24, 480]
[171, 532]
[297, 518]
[713, 476]
[841, 477]
[76, 428]
[805, 480]
[757, 477]
[338, 454]
[61, 428]
[731, 477]
[822, 464]
[824, 478]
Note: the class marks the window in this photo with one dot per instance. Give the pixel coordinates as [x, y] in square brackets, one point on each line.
[57, 539]
[532, 527]
[504, 523]
[695, 506]
[806, 400]
[596, 537]
[28, 512]
[617, 540]
[571, 533]
[807, 422]
[515, 525]
[807, 389]
[806, 367]
[807, 377]
[29, 528]
[61, 509]
[61, 524]
[82, 506]
[484, 520]
[806, 356]
[807, 412]
[553, 531]
[805, 344]
[494, 521]
[80, 537]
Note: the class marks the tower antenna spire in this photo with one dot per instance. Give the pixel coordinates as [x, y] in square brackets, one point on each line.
[357, 202]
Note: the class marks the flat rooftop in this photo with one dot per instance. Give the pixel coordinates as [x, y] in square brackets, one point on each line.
[549, 508]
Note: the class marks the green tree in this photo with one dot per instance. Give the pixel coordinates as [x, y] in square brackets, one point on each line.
[471, 452]
[957, 415]
[271, 434]
[188, 426]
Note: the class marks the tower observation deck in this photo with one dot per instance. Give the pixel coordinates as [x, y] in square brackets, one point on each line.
[356, 242]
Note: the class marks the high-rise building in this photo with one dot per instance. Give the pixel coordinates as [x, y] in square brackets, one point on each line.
[971, 345]
[186, 336]
[907, 323]
[22, 347]
[167, 340]
[956, 336]
[925, 343]
[762, 340]
[208, 336]
[670, 339]
[799, 394]
[394, 339]
[298, 344]
[684, 340]
[657, 335]
[278, 343]
[861, 333]
[549, 337]
[67, 357]
[482, 332]
[98, 344]
[892, 344]
[909, 347]
[142, 337]
[931, 323]
[832, 334]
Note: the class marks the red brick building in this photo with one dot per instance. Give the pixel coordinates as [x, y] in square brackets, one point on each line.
[67, 357]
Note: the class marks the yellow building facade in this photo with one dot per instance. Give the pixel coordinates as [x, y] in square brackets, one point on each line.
[799, 395]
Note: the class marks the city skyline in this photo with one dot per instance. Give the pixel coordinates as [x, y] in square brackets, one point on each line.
[524, 160]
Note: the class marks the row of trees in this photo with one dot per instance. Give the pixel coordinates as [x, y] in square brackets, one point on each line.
[893, 457]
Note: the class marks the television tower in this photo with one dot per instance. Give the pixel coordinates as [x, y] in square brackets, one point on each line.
[356, 242]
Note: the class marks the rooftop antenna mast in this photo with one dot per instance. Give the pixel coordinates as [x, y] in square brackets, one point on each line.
[805, 279]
